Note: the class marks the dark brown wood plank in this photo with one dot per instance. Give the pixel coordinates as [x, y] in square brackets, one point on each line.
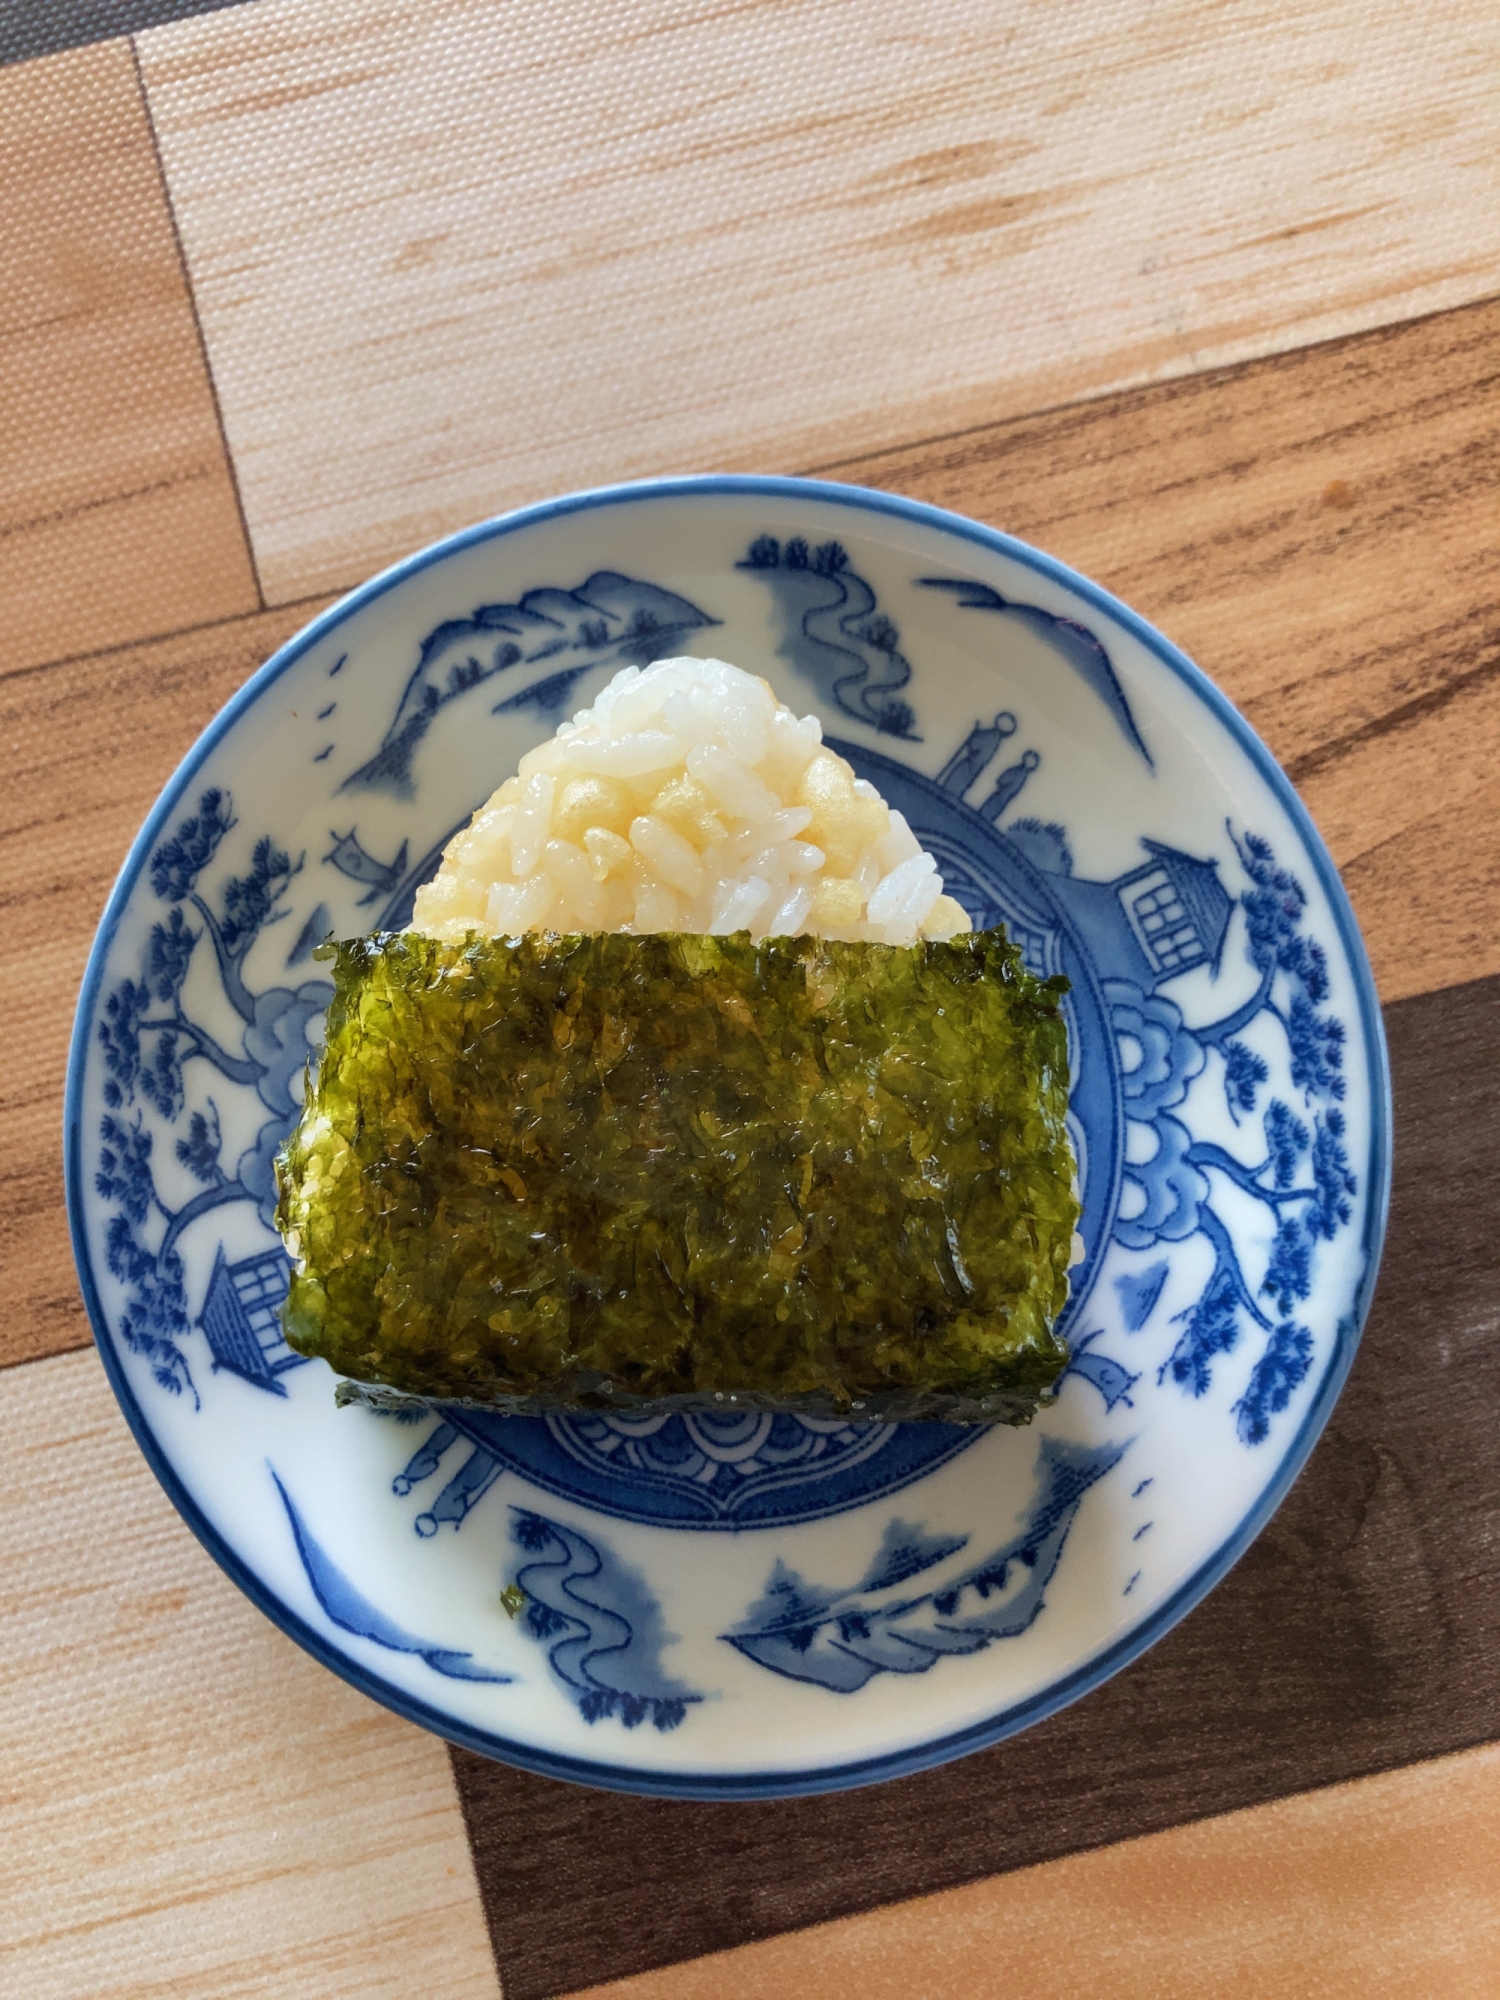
[1384, 1885]
[1319, 531]
[1359, 1633]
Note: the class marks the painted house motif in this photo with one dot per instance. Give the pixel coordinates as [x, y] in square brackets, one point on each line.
[242, 1318]
[1161, 919]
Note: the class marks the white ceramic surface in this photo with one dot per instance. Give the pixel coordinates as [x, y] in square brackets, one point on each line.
[748, 1606]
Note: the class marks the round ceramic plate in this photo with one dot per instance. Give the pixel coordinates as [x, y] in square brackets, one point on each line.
[747, 1605]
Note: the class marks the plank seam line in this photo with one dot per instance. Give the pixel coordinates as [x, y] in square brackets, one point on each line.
[1131, 391]
[192, 299]
[860, 1912]
[53, 1354]
[320, 597]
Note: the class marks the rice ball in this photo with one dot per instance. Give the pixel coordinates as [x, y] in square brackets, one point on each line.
[688, 799]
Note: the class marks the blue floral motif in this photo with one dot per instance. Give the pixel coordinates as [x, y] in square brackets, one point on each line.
[601, 1624]
[148, 1038]
[1164, 1056]
[1172, 1190]
[841, 1638]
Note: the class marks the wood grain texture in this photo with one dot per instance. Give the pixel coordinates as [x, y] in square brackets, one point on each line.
[90, 742]
[450, 257]
[1359, 1633]
[1390, 1886]
[1319, 531]
[118, 515]
[188, 1804]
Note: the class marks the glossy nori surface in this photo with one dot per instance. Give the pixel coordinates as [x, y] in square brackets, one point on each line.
[601, 1171]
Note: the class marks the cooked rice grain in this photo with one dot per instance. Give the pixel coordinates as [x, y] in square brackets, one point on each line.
[688, 799]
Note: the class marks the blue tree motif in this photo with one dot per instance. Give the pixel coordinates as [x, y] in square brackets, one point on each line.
[178, 862]
[1331, 1177]
[124, 1174]
[1212, 1328]
[1289, 1272]
[1244, 1073]
[148, 1038]
[1286, 1140]
[199, 1151]
[1317, 1044]
[1176, 1187]
[1276, 1376]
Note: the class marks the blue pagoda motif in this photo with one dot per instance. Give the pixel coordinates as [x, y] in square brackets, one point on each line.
[241, 1318]
[1160, 919]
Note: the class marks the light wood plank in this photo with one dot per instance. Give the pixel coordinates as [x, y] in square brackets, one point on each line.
[452, 257]
[1389, 1886]
[90, 742]
[191, 1806]
[117, 511]
[1319, 532]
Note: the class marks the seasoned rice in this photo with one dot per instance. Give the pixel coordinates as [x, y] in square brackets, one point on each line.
[688, 799]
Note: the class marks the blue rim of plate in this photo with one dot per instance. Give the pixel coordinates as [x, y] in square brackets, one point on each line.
[1105, 1664]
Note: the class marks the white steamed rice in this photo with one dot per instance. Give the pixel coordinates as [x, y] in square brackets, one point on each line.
[688, 799]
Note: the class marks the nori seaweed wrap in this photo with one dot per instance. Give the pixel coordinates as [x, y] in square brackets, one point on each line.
[606, 1171]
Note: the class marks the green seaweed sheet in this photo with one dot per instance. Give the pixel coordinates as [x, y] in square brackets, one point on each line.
[605, 1171]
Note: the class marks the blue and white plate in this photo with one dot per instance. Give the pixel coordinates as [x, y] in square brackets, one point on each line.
[746, 1606]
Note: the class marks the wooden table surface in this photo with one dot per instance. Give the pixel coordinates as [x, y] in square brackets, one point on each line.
[1204, 300]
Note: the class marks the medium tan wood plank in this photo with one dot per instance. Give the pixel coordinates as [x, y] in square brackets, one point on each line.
[189, 1805]
[1319, 531]
[452, 257]
[118, 515]
[1388, 1886]
[90, 743]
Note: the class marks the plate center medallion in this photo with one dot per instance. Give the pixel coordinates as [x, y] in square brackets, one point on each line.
[745, 1469]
